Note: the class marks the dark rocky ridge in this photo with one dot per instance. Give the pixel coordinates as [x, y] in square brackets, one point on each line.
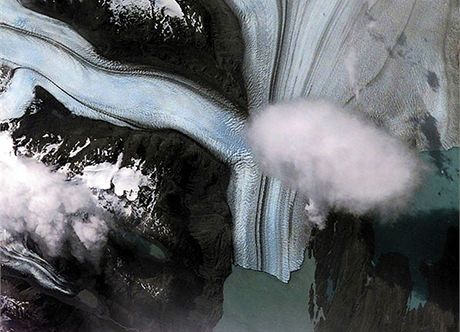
[190, 218]
[356, 294]
[211, 54]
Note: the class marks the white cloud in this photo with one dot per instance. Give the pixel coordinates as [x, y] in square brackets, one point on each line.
[334, 157]
[48, 208]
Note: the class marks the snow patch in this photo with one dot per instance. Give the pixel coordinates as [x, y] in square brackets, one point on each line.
[170, 8]
[77, 149]
[143, 9]
[126, 181]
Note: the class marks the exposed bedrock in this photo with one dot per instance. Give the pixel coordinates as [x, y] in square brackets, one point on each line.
[359, 291]
[179, 207]
[348, 52]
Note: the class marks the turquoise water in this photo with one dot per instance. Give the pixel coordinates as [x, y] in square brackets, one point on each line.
[256, 301]
[420, 233]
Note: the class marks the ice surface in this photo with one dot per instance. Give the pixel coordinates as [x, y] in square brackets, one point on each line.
[404, 57]
[404, 66]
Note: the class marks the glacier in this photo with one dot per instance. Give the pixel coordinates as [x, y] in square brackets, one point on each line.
[293, 49]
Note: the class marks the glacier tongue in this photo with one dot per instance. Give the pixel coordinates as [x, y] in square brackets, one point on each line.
[350, 52]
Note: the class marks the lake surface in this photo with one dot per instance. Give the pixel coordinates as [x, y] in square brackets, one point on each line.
[256, 301]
